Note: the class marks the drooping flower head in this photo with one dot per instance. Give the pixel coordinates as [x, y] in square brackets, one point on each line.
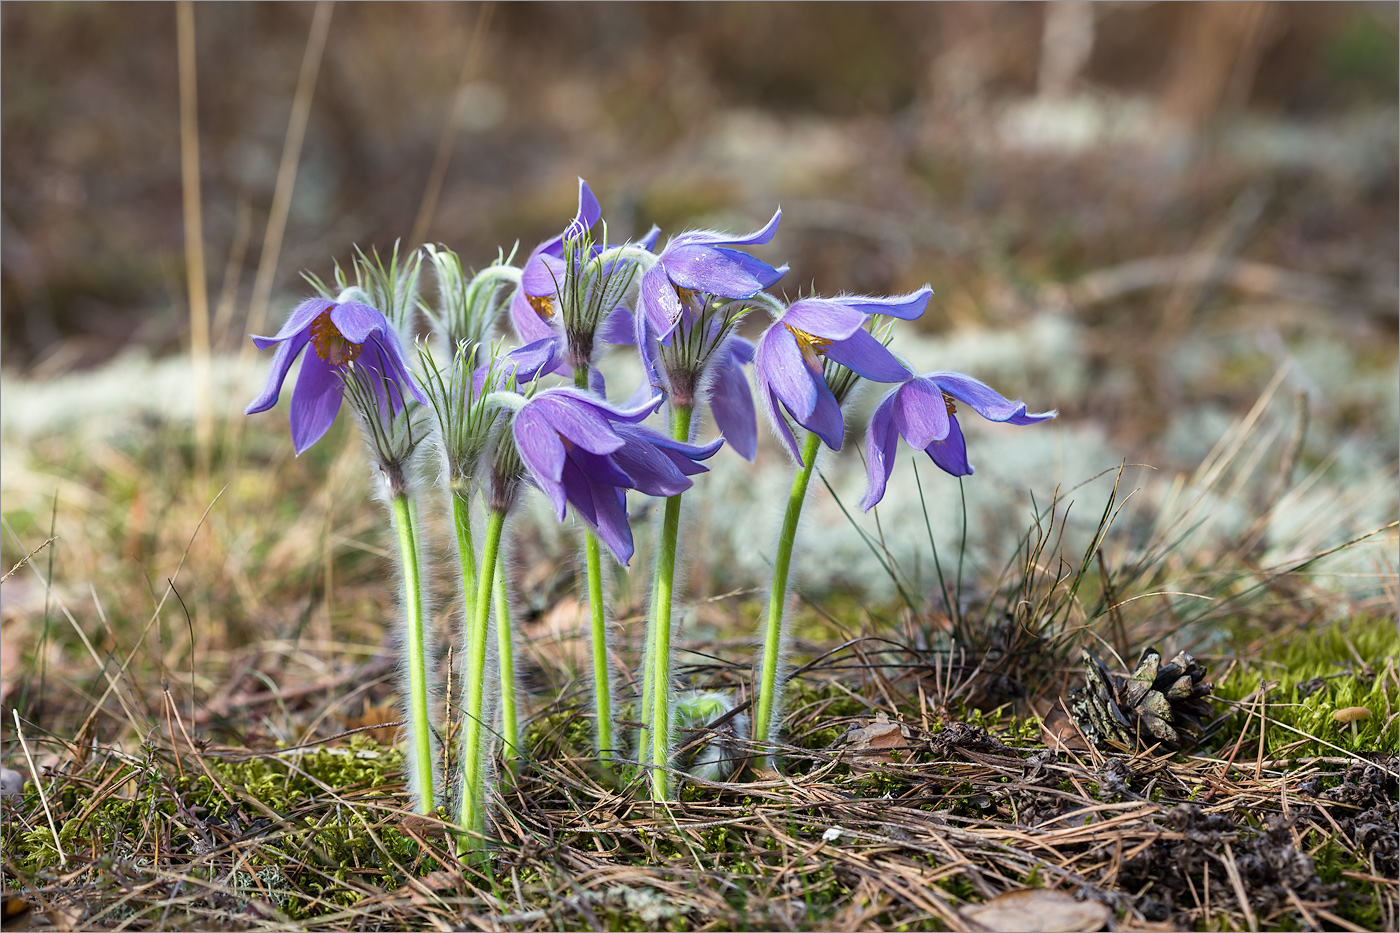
[581, 451]
[701, 265]
[796, 351]
[340, 333]
[922, 410]
[692, 300]
[573, 283]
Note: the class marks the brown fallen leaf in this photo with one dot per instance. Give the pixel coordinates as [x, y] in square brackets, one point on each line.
[1028, 910]
[880, 738]
[1061, 732]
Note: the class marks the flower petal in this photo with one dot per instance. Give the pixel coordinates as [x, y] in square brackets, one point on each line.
[722, 272]
[281, 362]
[356, 321]
[660, 303]
[577, 420]
[315, 402]
[951, 453]
[299, 320]
[920, 414]
[649, 470]
[601, 469]
[719, 238]
[881, 444]
[825, 420]
[611, 523]
[862, 353]
[540, 448]
[731, 403]
[985, 400]
[905, 307]
[779, 365]
[529, 326]
[826, 318]
[387, 351]
[778, 422]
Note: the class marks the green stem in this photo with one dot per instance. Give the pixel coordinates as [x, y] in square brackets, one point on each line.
[602, 680]
[473, 812]
[663, 594]
[598, 627]
[777, 597]
[466, 552]
[505, 650]
[420, 732]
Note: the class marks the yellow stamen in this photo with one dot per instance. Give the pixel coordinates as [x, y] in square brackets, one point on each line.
[543, 305]
[330, 344]
[812, 346]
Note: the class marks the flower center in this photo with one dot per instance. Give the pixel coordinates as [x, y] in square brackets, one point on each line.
[330, 344]
[543, 305]
[812, 347]
[948, 401]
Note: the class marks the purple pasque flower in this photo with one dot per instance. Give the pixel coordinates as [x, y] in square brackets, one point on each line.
[700, 265]
[582, 451]
[535, 305]
[791, 354]
[339, 333]
[557, 299]
[922, 411]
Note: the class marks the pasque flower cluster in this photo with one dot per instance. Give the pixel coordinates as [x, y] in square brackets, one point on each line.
[518, 397]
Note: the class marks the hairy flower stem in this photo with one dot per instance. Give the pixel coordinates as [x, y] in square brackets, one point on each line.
[602, 680]
[505, 651]
[598, 629]
[466, 551]
[777, 596]
[473, 808]
[663, 593]
[420, 731]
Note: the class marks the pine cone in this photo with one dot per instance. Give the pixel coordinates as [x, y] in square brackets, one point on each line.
[1158, 704]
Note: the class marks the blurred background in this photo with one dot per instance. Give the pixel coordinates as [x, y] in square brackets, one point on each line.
[1174, 222]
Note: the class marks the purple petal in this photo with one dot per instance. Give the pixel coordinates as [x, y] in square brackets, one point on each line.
[281, 362]
[588, 209]
[299, 320]
[660, 303]
[650, 471]
[612, 526]
[710, 271]
[577, 421]
[905, 307]
[619, 327]
[824, 317]
[357, 321]
[542, 275]
[315, 402]
[826, 421]
[601, 469]
[579, 492]
[862, 353]
[731, 404]
[681, 448]
[920, 414]
[541, 450]
[780, 366]
[386, 348]
[778, 422]
[951, 453]
[719, 238]
[985, 400]
[529, 326]
[741, 349]
[881, 444]
[648, 242]
[529, 362]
